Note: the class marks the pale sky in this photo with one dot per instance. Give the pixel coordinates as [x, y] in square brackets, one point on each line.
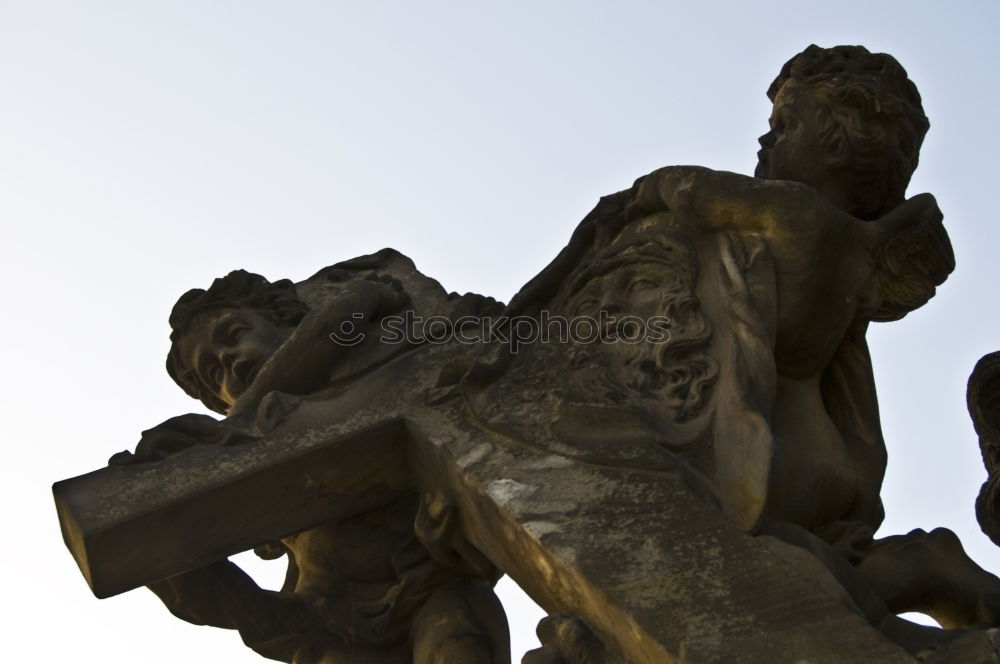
[148, 147]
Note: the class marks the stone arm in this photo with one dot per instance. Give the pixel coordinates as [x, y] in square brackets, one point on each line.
[908, 248]
[278, 625]
[180, 433]
[332, 341]
[706, 200]
[219, 595]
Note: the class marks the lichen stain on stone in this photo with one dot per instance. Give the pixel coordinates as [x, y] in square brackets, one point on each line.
[539, 529]
[553, 506]
[568, 554]
[647, 565]
[506, 491]
[711, 573]
[580, 485]
[474, 455]
[443, 440]
[548, 462]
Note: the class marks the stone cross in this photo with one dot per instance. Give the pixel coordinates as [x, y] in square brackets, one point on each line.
[659, 574]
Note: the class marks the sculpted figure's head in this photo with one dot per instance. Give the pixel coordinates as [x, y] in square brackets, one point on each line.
[221, 337]
[848, 123]
[638, 286]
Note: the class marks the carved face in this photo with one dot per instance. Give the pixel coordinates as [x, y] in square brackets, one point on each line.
[632, 290]
[651, 284]
[227, 347]
[793, 149]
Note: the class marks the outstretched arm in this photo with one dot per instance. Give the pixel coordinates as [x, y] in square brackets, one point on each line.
[178, 434]
[908, 247]
[717, 201]
[325, 338]
[277, 625]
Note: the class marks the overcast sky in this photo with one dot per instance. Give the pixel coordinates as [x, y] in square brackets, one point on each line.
[147, 147]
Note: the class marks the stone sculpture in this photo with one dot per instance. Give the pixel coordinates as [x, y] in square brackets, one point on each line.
[360, 589]
[689, 376]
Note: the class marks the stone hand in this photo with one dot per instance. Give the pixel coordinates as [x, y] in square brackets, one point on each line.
[177, 434]
[922, 207]
[323, 344]
[567, 640]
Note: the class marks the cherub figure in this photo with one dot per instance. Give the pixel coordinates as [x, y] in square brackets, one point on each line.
[777, 280]
[771, 397]
[849, 124]
[363, 590]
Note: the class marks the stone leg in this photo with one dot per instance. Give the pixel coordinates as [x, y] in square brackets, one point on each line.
[931, 573]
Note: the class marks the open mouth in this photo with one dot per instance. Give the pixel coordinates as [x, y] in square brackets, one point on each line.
[245, 372]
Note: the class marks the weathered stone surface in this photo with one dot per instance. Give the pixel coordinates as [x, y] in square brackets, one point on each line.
[659, 574]
[128, 526]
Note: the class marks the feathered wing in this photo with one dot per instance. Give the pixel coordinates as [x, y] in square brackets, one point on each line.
[913, 259]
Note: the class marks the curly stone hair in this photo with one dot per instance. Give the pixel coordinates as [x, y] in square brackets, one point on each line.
[871, 118]
[277, 302]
